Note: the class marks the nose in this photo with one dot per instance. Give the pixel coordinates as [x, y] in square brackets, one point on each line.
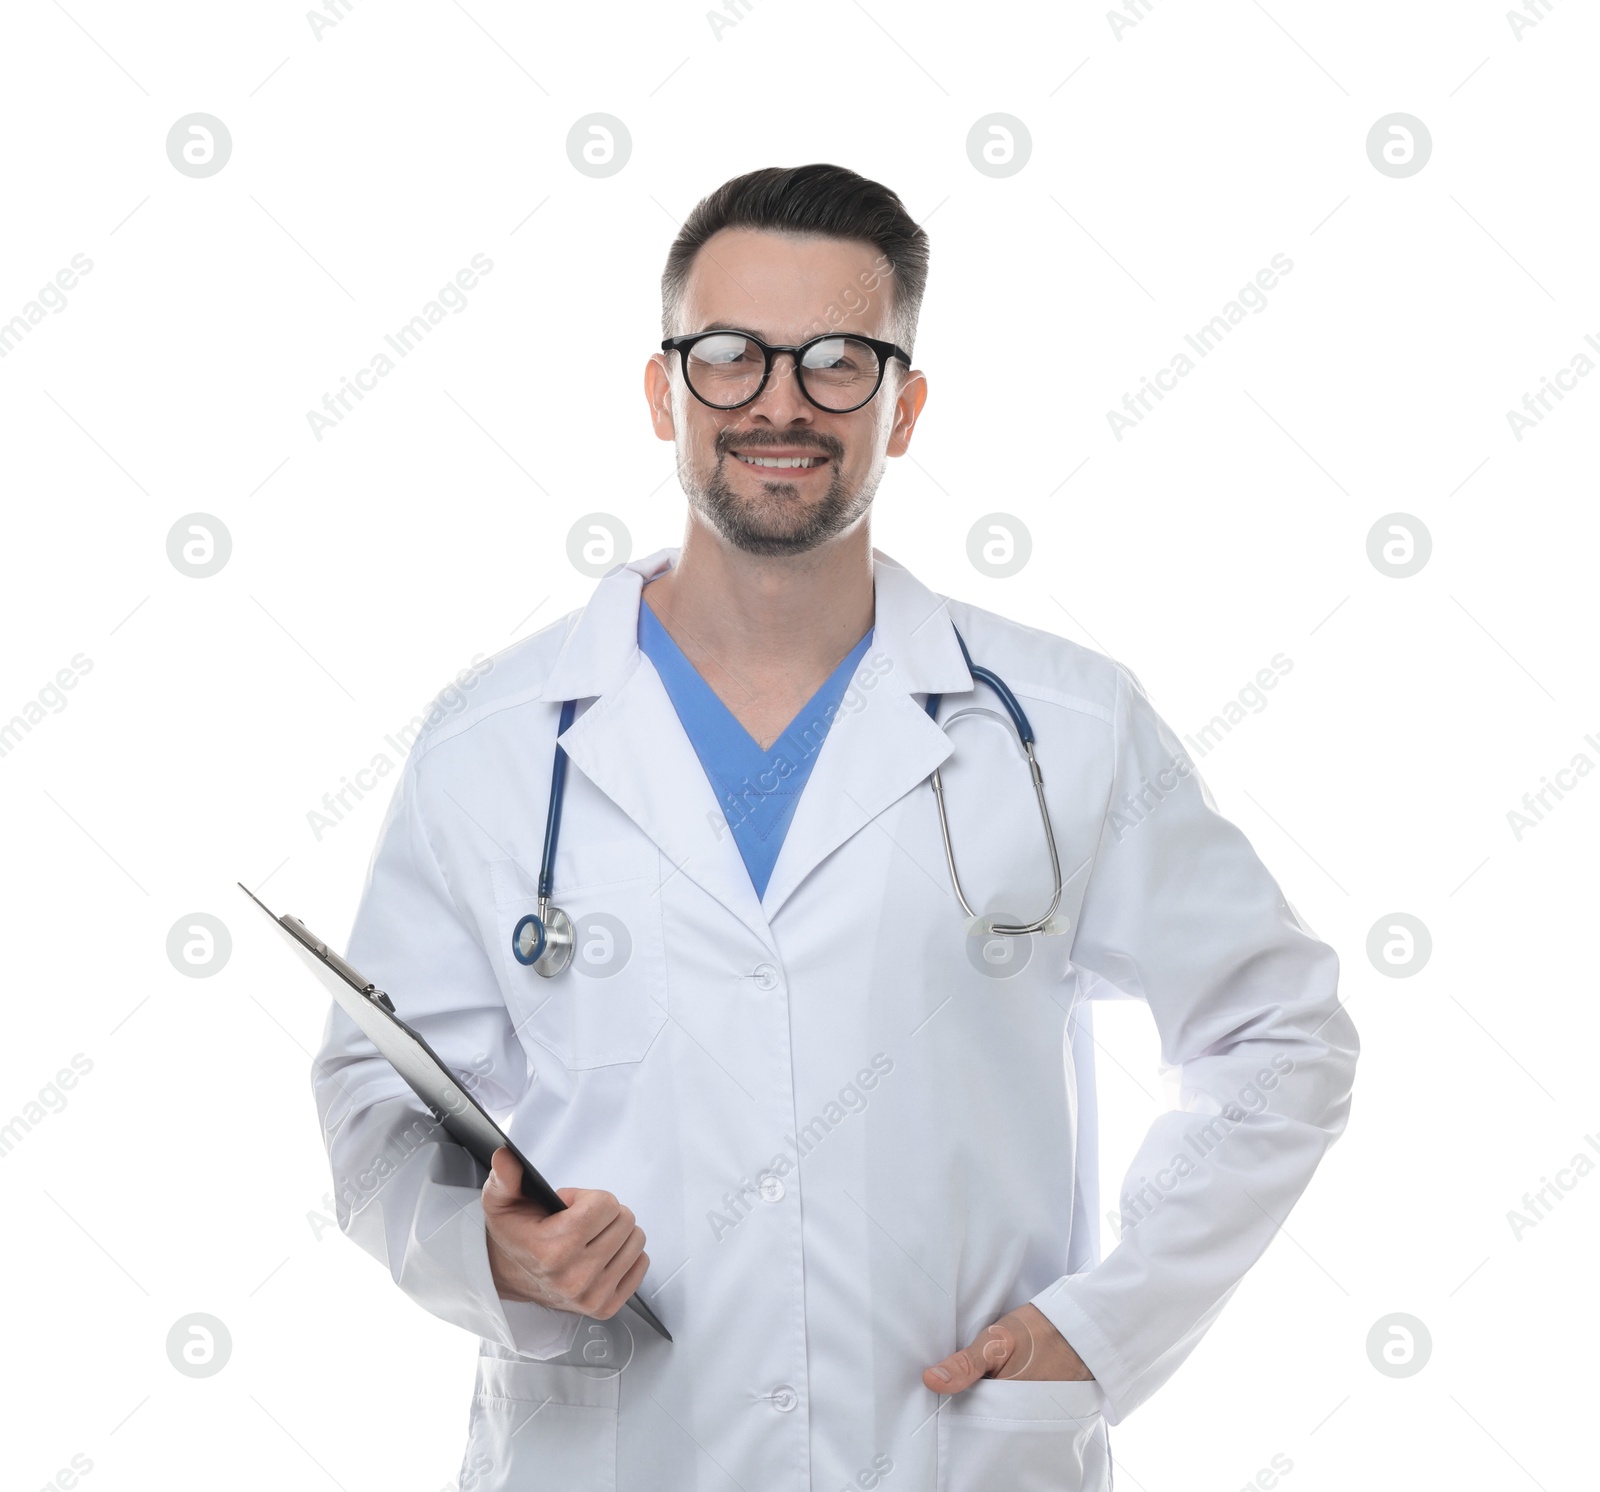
[781, 402]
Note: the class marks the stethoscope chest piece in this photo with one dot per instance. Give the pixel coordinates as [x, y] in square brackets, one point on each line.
[544, 940]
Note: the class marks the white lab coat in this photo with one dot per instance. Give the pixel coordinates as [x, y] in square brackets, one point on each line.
[851, 1145]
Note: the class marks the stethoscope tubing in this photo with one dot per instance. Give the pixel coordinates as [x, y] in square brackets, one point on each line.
[558, 792]
[553, 950]
[1024, 728]
[550, 926]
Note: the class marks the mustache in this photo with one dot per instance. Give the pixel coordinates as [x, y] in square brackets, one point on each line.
[755, 440]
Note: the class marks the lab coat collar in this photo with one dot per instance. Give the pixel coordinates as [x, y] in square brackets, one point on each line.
[602, 646]
[631, 744]
[911, 624]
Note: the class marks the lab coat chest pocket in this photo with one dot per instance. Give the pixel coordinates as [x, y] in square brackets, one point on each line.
[610, 1003]
[1025, 1436]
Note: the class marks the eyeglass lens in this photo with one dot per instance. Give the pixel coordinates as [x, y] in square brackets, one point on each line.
[724, 369]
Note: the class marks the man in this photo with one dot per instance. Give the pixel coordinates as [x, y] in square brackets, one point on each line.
[856, 1124]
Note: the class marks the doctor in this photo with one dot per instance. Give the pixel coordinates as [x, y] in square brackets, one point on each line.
[839, 1135]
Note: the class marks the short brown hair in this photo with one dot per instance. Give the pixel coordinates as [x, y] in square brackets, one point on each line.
[827, 200]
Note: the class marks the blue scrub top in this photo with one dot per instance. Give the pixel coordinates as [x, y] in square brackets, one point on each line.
[757, 790]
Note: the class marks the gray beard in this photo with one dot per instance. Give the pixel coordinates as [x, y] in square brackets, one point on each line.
[764, 527]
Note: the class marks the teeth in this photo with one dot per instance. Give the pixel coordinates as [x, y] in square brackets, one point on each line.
[789, 461]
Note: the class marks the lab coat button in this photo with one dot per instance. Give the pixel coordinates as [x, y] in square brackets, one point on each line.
[771, 1189]
[765, 976]
[784, 1398]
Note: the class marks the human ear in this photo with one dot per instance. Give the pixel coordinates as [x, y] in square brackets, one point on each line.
[658, 395]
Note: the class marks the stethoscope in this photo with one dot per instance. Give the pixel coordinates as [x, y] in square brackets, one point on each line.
[544, 939]
[1024, 731]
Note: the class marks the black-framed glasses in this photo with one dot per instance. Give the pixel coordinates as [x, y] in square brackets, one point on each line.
[836, 372]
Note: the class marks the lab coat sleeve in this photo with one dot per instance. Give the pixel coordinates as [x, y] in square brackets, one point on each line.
[1180, 912]
[404, 1191]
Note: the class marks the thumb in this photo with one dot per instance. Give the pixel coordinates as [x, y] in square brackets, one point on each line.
[991, 1349]
[504, 1184]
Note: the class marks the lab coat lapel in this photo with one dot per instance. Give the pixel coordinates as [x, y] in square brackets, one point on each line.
[632, 746]
[880, 749]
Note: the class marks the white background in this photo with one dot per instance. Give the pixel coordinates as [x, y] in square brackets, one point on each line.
[1169, 164]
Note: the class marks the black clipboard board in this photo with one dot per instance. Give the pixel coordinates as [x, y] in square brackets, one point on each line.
[452, 1106]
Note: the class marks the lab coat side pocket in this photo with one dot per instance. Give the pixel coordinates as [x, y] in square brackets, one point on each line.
[610, 1003]
[541, 1424]
[1023, 1435]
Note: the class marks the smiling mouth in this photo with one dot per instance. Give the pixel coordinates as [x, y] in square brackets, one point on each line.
[782, 463]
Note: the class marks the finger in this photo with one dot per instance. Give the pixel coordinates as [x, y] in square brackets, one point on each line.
[620, 1278]
[994, 1347]
[1023, 1347]
[503, 1164]
[504, 1183]
[587, 1217]
[628, 1285]
[609, 1241]
[986, 1357]
[957, 1372]
[608, 1259]
[625, 1257]
[558, 1249]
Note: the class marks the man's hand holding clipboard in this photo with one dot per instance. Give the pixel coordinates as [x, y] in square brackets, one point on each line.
[573, 1250]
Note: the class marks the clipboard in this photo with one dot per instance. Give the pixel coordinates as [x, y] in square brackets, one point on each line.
[452, 1106]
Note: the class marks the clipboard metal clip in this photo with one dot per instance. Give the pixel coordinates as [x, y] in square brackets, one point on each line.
[304, 935]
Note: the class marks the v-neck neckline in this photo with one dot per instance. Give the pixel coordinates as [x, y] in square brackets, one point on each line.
[728, 719]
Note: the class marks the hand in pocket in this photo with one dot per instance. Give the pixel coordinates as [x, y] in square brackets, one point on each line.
[1021, 1344]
